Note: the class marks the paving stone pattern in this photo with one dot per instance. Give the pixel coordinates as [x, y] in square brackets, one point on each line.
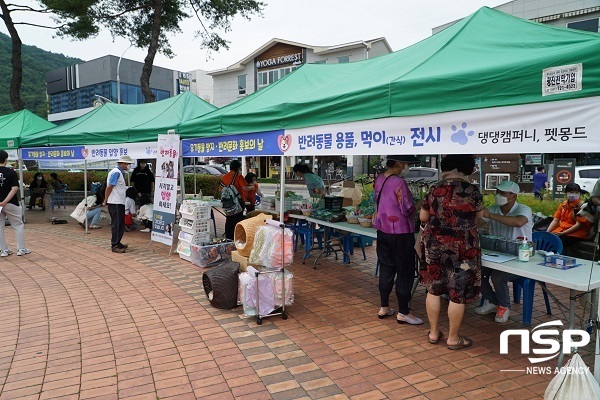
[81, 322]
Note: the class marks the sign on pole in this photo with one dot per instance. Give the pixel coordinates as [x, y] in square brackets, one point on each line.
[165, 189]
[564, 173]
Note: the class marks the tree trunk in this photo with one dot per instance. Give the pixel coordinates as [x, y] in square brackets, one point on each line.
[152, 49]
[17, 63]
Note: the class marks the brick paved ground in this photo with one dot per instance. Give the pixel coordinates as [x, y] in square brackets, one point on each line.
[80, 322]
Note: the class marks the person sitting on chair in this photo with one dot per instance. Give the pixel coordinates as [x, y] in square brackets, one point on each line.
[37, 190]
[511, 220]
[567, 225]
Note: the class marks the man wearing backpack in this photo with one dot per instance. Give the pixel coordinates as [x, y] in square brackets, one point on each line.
[230, 181]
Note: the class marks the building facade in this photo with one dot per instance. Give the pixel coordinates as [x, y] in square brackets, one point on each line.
[72, 91]
[278, 58]
[275, 60]
[201, 84]
[576, 14]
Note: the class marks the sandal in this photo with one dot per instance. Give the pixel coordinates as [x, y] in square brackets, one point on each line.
[95, 227]
[436, 341]
[463, 343]
[382, 313]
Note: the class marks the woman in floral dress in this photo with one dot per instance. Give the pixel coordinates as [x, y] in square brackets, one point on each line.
[449, 215]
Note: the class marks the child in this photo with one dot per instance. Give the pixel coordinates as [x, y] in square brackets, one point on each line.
[130, 210]
[251, 179]
[146, 211]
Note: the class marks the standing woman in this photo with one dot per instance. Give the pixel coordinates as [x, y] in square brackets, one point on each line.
[395, 224]
[142, 179]
[449, 217]
[314, 183]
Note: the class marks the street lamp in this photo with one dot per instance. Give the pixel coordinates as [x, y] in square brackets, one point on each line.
[119, 77]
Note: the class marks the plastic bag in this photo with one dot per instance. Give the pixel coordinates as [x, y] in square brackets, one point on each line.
[574, 381]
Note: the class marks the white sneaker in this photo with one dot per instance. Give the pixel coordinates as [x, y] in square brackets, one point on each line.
[502, 315]
[145, 230]
[6, 253]
[22, 252]
[486, 308]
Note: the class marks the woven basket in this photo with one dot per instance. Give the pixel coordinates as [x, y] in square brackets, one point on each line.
[221, 285]
[365, 222]
[243, 235]
[352, 219]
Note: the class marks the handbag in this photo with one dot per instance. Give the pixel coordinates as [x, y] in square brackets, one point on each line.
[128, 219]
[79, 213]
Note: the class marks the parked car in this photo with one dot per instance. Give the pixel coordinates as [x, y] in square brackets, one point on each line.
[586, 176]
[422, 174]
[201, 169]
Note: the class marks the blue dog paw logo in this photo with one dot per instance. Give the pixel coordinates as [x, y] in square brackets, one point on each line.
[461, 136]
[148, 150]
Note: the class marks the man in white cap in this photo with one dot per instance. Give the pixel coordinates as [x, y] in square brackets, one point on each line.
[511, 220]
[115, 198]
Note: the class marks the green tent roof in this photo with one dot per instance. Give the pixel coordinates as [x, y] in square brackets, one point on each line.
[123, 123]
[488, 59]
[16, 126]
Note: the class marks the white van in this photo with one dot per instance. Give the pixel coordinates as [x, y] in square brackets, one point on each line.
[587, 176]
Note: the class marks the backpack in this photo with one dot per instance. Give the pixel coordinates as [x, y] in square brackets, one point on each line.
[231, 201]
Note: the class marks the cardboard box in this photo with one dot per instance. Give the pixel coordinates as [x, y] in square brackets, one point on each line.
[236, 257]
[351, 194]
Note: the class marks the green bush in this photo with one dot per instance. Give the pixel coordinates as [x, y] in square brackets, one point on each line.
[547, 207]
[209, 184]
[74, 180]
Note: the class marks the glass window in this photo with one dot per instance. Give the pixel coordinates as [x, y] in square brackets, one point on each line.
[241, 84]
[273, 76]
[262, 79]
[131, 94]
[590, 25]
[343, 59]
[162, 95]
[113, 91]
[123, 93]
[320, 62]
[139, 95]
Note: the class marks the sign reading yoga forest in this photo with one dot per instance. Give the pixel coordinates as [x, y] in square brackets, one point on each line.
[165, 188]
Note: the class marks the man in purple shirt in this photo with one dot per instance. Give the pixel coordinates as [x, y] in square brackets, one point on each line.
[540, 182]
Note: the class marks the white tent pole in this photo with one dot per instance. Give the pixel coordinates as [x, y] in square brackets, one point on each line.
[282, 189]
[597, 353]
[181, 176]
[85, 196]
[21, 182]
[195, 178]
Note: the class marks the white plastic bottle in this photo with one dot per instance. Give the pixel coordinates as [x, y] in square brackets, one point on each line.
[524, 251]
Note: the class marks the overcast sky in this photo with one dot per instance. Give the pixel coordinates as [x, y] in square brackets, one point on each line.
[311, 22]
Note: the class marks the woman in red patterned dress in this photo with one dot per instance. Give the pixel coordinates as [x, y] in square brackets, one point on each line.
[449, 215]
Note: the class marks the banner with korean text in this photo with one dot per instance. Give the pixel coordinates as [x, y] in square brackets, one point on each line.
[165, 189]
[248, 144]
[565, 126]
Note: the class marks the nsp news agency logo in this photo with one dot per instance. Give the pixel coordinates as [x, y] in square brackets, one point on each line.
[548, 338]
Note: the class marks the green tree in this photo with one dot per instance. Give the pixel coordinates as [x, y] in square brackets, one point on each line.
[146, 23]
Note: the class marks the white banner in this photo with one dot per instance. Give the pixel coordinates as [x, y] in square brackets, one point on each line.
[114, 151]
[566, 126]
[165, 188]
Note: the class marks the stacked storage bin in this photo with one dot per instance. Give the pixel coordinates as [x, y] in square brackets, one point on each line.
[195, 227]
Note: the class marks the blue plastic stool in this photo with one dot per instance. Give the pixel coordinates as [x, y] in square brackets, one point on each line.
[528, 286]
[359, 238]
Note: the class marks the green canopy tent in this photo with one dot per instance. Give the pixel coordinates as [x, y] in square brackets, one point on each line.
[489, 60]
[18, 125]
[14, 128]
[123, 123]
